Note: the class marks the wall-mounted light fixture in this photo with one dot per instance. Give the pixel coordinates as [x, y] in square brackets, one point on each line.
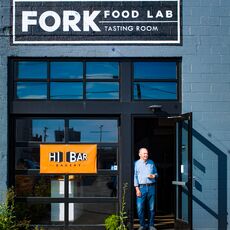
[155, 108]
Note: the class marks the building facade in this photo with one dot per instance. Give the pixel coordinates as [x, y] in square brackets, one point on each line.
[171, 97]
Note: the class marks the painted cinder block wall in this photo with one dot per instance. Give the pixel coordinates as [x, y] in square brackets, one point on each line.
[205, 56]
[206, 92]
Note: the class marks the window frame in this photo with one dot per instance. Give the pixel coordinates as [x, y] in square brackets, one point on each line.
[50, 80]
[35, 172]
[158, 80]
[124, 108]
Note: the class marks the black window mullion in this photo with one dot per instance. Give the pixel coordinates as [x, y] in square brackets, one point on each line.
[66, 219]
[48, 80]
[66, 184]
[66, 131]
[28, 172]
[15, 77]
[40, 200]
[31, 80]
[93, 200]
[15, 64]
[84, 80]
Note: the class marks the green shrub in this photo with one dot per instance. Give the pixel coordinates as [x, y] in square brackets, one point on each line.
[118, 222]
[112, 222]
[8, 218]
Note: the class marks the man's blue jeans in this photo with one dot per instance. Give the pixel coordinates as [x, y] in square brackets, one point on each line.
[147, 195]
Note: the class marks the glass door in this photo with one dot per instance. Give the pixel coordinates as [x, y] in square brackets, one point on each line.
[183, 180]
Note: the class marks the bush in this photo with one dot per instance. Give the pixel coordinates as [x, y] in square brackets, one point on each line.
[112, 222]
[118, 222]
[8, 220]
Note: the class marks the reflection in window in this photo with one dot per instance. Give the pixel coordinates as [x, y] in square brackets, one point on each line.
[50, 130]
[39, 130]
[32, 69]
[38, 191]
[61, 90]
[52, 213]
[39, 186]
[102, 90]
[155, 70]
[31, 90]
[66, 80]
[93, 186]
[156, 90]
[107, 157]
[67, 70]
[102, 70]
[80, 212]
[27, 158]
[94, 130]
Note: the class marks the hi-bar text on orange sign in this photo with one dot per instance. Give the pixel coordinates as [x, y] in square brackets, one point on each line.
[68, 159]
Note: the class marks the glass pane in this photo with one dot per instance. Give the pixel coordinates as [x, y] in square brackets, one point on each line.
[90, 213]
[32, 90]
[93, 131]
[155, 70]
[61, 90]
[39, 130]
[102, 70]
[102, 90]
[68, 70]
[155, 90]
[41, 213]
[93, 186]
[32, 69]
[184, 171]
[27, 158]
[107, 157]
[39, 186]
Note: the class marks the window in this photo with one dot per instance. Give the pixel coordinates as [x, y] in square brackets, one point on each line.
[102, 80]
[74, 79]
[46, 198]
[63, 90]
[66, 70]
[37, 116]
[67, 80]
[32, 70]
[102, 70]
[31, 90]
[155, 80]
[94, 130]
[102, 90]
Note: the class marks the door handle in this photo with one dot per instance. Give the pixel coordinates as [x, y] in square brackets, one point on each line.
[181, 183]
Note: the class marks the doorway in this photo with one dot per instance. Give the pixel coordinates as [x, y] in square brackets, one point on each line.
[158, 136]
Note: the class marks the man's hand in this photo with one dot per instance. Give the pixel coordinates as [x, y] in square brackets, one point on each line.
[138, 192]
[152, 176]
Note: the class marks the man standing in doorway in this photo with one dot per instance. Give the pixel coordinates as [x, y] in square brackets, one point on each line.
[145, 174]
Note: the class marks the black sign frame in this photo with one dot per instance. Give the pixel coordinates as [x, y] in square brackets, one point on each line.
[99, 22]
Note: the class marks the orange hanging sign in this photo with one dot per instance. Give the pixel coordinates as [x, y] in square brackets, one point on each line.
[68, 159]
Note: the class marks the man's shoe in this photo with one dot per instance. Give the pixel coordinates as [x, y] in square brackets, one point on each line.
[141, 228]
[152, 228]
